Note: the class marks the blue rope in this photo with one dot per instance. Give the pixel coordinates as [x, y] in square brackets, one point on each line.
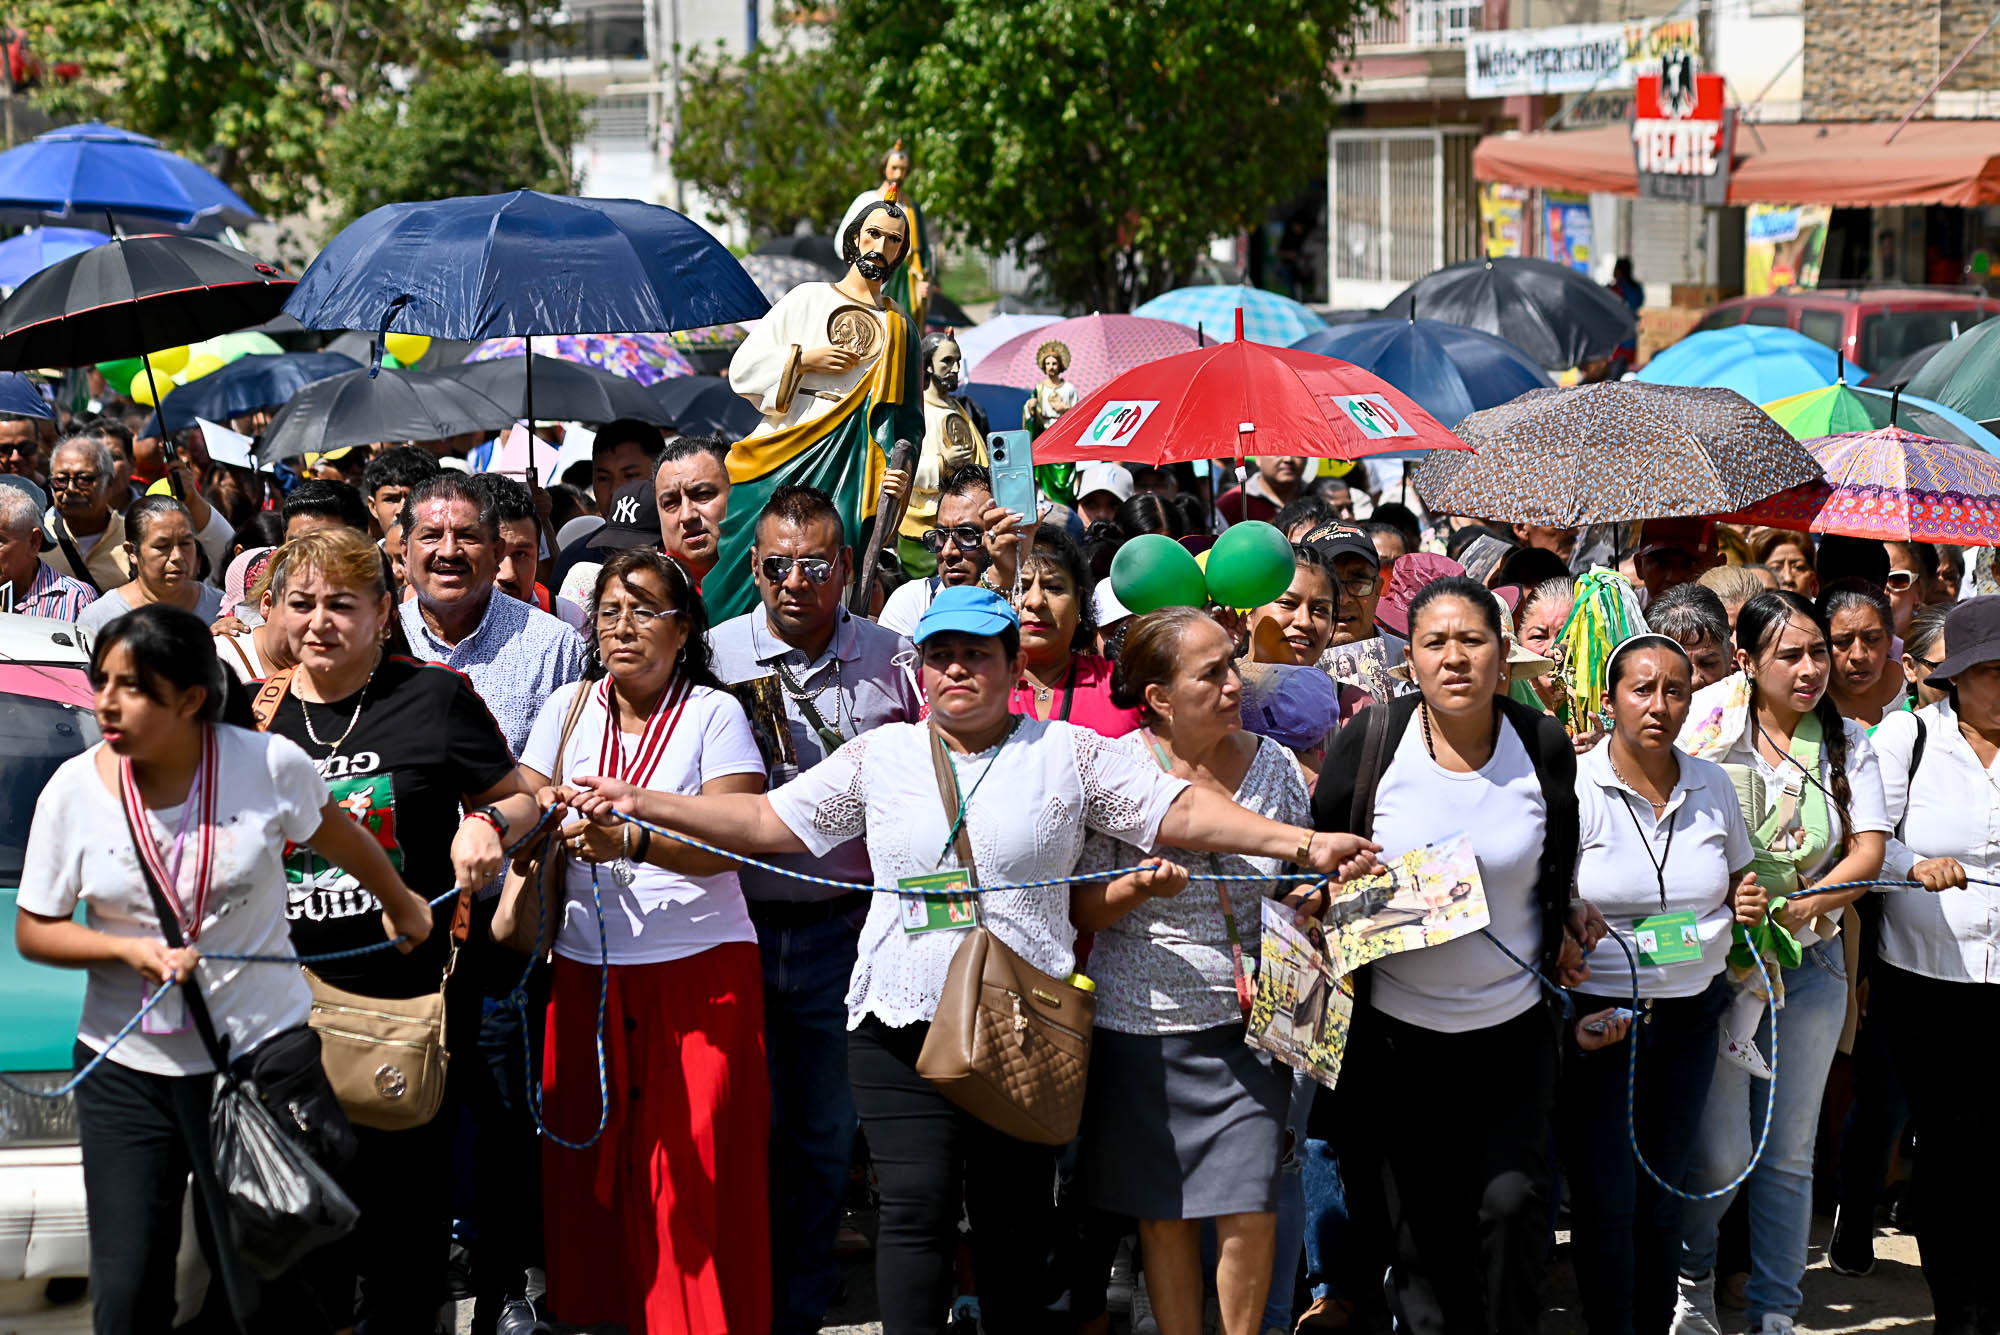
[518, 999]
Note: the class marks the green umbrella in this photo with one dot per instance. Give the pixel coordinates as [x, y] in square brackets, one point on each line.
[1962, 375]
[1841, 408]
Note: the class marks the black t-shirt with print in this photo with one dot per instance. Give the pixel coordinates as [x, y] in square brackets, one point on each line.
[424, 740]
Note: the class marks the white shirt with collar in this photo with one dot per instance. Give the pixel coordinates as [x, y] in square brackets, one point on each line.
[1950, 808]
[1699, 843]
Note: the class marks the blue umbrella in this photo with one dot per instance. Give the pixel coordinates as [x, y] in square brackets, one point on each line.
[18, 395]
[82, 173]
[500, 266]
[1001, 403]
[24, 256]
[1760, 362]
[247, 385]
[1267, 317]
[1451, 370]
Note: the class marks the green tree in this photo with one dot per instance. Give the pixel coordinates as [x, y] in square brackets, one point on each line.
[463, 129]
[768, 137]
[1106, 141]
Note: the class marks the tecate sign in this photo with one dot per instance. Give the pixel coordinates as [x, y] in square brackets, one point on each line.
[1682, 134]
[1580, 58]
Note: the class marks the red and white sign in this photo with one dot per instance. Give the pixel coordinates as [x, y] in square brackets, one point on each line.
[1682, 134]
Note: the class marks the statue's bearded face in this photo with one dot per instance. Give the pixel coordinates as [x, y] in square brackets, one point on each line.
[896, 168]
[1052, 366]
[946, 361]
[880, 245]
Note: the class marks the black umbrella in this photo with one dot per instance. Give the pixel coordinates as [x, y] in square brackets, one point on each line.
[133, 295]
[564, 390]
[944, 313]
[361, 408]
[1549, 311]
[821, 250]
[1905, 370]
[247, 385]
[704, 405]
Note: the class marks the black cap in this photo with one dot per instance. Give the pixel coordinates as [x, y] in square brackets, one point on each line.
[1340, 538]
[1972, 634]
[634, 520]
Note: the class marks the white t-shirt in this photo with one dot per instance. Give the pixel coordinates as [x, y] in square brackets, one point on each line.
[238, 653]
[1029, 803]
[907, 605]
[1621, 845]
[1468, 983]
[267, 793]
[662, 915]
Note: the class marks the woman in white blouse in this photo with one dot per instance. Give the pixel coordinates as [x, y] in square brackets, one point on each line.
[1937, 976]
[1665, 856]
[1030, 790]
[1812, 798]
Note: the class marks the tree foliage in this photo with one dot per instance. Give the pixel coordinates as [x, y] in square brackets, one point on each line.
[768, 137]
[462, 129]
[1106, 141]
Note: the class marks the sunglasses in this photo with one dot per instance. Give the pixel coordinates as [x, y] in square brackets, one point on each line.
[1899, 580]
[778, 569]
[967, 537]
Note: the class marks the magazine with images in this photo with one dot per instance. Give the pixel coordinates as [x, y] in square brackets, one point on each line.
[1366, 664]
[1301, 1011]
[1425, 897]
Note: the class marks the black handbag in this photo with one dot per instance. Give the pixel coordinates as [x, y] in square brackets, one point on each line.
[275, 1129]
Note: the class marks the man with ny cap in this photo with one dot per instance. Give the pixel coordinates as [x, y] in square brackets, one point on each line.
[836, 677]
[631, 520]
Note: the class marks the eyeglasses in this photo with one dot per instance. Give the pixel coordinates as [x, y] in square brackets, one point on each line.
[778, 569]
[1358, 587]
[1899, 580]
[1927, 664]
[967, 537]
[643, 618]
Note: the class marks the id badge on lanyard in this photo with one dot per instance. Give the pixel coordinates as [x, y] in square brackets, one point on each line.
[924, 906]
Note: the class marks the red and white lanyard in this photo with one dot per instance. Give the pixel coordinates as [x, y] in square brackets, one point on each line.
[667, 711]
[200, 805]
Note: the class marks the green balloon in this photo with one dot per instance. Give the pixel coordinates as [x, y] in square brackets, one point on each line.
[1153, 571]
[389, 362]
[119, 374]
[1249, 565]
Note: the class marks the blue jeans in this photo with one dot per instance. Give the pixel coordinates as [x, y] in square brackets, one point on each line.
[1291, 1207]
[1780, 1190]
[806, 972]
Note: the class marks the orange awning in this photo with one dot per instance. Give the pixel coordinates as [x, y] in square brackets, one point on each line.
[1842, 163]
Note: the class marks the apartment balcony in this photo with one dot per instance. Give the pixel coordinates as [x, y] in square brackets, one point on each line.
[1413, 51]
[1419, 24]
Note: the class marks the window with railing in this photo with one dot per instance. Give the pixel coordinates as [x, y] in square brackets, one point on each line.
[1421, 23]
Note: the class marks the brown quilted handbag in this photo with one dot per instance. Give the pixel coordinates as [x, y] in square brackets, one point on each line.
[1008, 1043]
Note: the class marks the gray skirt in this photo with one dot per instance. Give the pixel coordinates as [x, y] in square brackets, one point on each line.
[1182, 1126]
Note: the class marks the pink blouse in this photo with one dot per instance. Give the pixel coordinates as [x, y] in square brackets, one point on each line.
[1084, 698]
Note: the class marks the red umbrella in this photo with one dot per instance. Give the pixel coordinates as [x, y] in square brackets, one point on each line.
[1101, 347]
[1234, 400]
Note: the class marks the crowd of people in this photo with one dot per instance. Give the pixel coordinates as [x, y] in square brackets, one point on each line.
[358, 689]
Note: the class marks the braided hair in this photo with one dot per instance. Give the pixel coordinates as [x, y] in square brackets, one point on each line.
[1758, 626]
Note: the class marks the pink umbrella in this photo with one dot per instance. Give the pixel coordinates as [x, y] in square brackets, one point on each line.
[1102, 347]
[1893, 485]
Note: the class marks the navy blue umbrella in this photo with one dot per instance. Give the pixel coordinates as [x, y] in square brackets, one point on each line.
[704, 405]
[1001, 403]
[247, 385]
[18, 395]
[1452, 371]
[86, 175]
[500, 266]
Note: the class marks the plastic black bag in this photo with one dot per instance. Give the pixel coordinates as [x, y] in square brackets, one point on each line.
[282, 1204]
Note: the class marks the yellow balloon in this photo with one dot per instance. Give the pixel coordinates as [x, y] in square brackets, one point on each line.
[201, 366]
[169, 361]
[161, 488]
[407, 348]
[141, 391]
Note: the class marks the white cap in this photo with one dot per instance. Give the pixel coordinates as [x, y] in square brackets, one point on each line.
[580, 527]
[1105, 609]
[1114, 478]
[454, 463]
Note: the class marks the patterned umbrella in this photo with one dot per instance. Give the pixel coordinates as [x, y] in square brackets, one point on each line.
[1609, 453]
[1267, 317]
[1842, 407]
[1760, 362]
[775, 275]
[1895, 486]
[1101, 348]
[645, 358]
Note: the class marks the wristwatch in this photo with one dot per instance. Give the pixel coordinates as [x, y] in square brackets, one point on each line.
[492, 813]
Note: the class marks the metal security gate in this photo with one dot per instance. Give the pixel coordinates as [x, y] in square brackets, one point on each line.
[1401, 204]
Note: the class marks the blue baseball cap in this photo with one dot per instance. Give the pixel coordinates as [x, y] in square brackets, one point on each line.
[968, 609]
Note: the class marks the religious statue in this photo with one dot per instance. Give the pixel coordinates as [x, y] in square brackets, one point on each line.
[1051, 398]
[954, 436]
[833, 368]
[909, 286]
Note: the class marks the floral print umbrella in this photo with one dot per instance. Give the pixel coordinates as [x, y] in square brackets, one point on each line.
[1893, 485]
[646, 358]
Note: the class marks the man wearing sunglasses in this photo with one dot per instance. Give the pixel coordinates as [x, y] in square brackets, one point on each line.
[837, 677]
[974, 541]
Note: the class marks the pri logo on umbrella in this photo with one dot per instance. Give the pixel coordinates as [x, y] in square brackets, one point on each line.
[1118, 421]
[1373, 415]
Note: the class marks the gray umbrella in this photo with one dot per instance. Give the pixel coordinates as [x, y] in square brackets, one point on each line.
[1610, 453]
[775, 275]
[355, 409]
[564, 390]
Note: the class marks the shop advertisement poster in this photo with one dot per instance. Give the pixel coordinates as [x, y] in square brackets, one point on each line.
[1566, 230]
[1503, 219]
[1782, 246]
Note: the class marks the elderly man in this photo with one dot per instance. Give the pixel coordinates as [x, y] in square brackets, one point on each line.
[838, 678]
[36, 590]
[88, 531]
[514, 654]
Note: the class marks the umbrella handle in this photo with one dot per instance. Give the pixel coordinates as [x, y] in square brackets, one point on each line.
[900, 461]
